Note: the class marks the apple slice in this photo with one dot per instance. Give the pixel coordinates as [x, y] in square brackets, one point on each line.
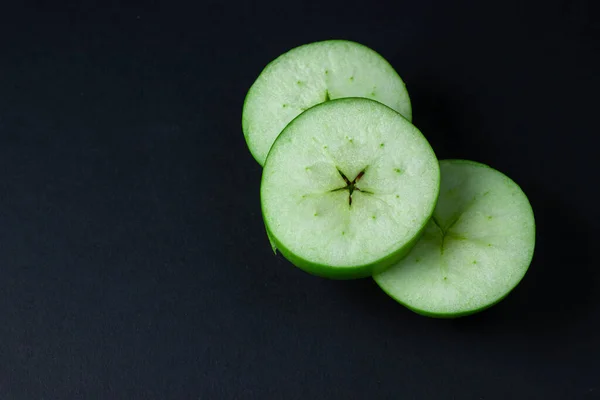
[474, 251]
[347, 188]
[311, 74]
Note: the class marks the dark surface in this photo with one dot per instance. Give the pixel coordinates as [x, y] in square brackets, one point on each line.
[133, 259]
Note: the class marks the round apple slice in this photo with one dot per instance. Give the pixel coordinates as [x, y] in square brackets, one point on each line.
[474, 251]
[347, 188]
[311, 74]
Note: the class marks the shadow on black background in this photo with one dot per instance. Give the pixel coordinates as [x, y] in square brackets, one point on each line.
[449, 118]
[556, 292]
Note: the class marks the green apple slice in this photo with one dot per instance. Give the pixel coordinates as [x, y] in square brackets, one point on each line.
[474, 251]
[311, 74]
[347, 188]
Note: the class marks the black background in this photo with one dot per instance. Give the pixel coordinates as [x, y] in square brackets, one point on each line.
[133, 259]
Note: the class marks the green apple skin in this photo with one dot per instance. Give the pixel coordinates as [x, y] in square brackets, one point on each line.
[401, 102]
[457, 315]
[529, 214]
[271, 240]
[352, 271]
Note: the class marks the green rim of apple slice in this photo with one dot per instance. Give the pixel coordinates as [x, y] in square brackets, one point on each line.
[474, 251]
[347, 188]
[311, 74]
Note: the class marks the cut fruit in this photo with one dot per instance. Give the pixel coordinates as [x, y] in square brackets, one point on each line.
[474, 251]
[347, 188]
[312, 74]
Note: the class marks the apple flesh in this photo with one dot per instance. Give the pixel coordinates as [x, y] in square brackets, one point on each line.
[347, 188]
[474, 251]
[311, 74]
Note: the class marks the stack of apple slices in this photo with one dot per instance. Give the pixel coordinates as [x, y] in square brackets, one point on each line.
[351, 188]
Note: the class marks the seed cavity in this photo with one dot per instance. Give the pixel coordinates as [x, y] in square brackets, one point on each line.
[299, 82]
[350, 185]
[398, 170]
[474, 261]
[381, 145]
[489, 217]
[284, 105]
[351, 79]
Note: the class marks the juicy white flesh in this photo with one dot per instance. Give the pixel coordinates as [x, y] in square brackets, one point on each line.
[352, 135]
[309, 75]
[485, 251]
